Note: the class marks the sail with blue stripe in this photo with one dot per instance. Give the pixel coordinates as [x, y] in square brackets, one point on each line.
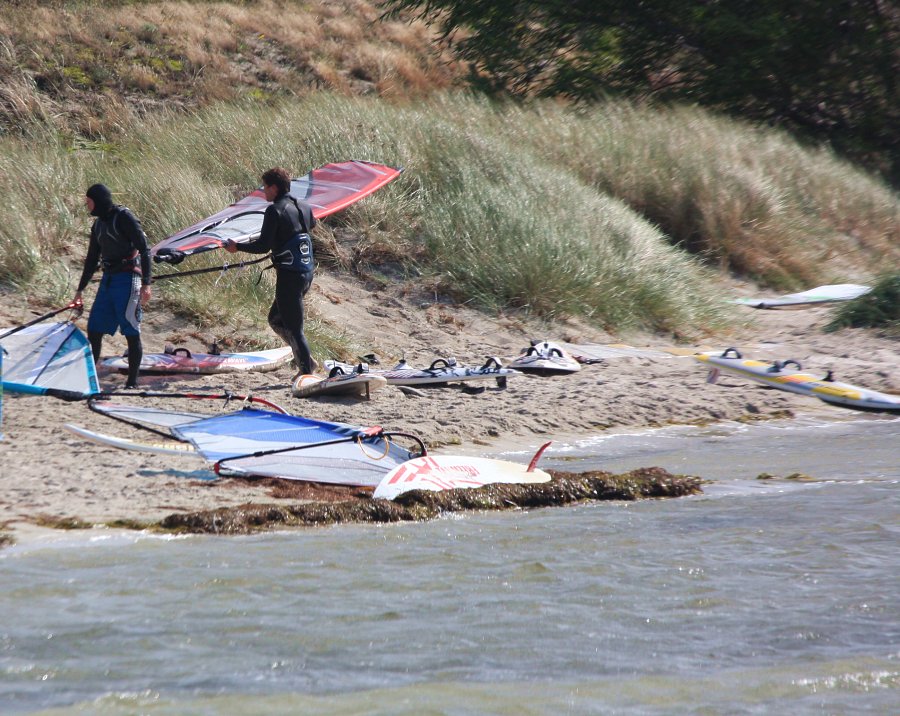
[261, 443]
[49, 359]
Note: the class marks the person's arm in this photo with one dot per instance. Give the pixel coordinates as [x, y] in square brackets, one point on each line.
[91, 262]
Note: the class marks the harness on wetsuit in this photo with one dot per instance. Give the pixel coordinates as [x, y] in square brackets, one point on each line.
[108, 237]
[296, 254]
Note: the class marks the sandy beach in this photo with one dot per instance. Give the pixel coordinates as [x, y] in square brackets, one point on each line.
[46, 473]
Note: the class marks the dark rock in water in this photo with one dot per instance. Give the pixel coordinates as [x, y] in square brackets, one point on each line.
[6, 540]
[565, 488]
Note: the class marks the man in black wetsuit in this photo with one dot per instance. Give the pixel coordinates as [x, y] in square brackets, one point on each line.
[117, 244]
[285, 232]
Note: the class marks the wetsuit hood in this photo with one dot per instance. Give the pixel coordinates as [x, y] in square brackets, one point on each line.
[102, 198]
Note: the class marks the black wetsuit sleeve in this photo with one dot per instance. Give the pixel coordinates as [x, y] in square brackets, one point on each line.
[91, 262]
[267, 234]
[134, 232]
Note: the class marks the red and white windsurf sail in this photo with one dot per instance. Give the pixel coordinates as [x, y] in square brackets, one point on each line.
[327, 189]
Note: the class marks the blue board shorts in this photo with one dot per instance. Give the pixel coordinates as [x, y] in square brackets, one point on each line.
[118, 305]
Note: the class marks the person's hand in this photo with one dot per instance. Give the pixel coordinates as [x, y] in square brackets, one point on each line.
[231, 246]
[78, 301]
[145, 294]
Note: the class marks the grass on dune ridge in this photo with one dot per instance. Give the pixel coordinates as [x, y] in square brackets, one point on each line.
[618, 214]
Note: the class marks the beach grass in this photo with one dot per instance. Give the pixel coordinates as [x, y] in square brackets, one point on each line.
[748, 200]
[63, 60]
[621, 215]
[879, 308]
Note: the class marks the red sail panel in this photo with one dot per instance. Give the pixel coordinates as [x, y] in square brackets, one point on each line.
[327, 189]
[333, 187]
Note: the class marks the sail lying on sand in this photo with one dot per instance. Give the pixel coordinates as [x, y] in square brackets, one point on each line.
[49, 359]
[260, 443]
[327, 189]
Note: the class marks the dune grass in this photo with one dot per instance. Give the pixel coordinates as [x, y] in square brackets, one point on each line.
[60, 59]
[880, 308]
[745, 199]
[616, 214]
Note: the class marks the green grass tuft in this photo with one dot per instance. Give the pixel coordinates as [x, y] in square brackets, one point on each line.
[880, 308]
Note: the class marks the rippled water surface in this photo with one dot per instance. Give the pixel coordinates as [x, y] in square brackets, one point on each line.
[757, 597]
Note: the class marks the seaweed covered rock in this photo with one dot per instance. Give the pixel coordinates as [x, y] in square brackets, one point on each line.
[564, 488]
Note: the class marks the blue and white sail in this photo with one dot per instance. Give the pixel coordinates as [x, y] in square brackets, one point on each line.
[49, 359]
[260, 443]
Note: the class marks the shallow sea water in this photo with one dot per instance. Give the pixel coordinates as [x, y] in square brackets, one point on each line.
[757, 597]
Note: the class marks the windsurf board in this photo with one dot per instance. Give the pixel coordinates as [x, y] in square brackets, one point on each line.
[160, 448]
[450, 472]
[441, 371]
[588, 352]
[337, 383]
[784, 375]
[181, 360]
[788, 375]
[804, 299]
[852, 396]
[545, 358]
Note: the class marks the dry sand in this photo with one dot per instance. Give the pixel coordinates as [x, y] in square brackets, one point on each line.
[46, 471]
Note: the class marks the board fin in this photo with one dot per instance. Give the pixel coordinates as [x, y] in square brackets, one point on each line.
[537, 456]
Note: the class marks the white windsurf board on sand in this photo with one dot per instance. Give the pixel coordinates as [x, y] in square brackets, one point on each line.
[359, 385]
[441, 371]
[160, 448]
[787, 375]
[451, 472]
[814, 296]
[181, 360]
[545, 358]
[602, 351]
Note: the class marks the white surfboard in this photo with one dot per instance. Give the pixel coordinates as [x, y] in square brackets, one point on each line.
[440, 372]
[181, 360]
[852, 396]
[359, 385]
[451, 472]
[823, 294]
[545, 358]
[161, 448]
[787, 375]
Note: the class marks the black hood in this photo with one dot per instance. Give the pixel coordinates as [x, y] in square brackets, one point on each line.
[102, 197]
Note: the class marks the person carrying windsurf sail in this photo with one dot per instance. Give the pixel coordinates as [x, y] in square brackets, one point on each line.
[118, 245]
[285, 233]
